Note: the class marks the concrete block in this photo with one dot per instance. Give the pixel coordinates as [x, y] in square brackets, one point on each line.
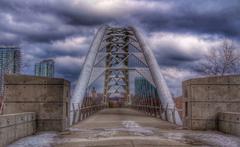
[199, 81]
[218, 92]
[199, 92]
[16, 93]
[31, 80]
[49, 125]
[234, 79]
[50, 111]
[66, 93]
[203, 124]
[2, 138]
[209, 96]
[7, 120]
[229, 122]
[218, 80]
[20, 107]
[10, 133]
[21, 118]
[48, 97]
[5, 134]
[224, 127]
[30, 128]
[234, 93]
[15, 126]
[54, 93]
[20, 130]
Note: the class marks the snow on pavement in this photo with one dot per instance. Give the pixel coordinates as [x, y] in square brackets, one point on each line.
[211, 138]
[43, 139]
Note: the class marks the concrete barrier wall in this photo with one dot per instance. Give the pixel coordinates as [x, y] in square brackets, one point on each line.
[229, 122]
[204, 98]
[47, 97]
[15, 126]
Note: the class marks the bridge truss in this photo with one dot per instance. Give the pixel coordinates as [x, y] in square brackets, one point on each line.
[120, 67]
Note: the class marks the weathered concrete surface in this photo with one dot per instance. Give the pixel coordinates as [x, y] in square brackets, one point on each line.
[229, 122]
[15, 126]
[127, 128]
[204, 98]
[48, 97]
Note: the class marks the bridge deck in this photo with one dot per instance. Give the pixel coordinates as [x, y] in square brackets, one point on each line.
[129, 128]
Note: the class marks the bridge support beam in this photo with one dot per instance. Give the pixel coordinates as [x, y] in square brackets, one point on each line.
[84, 78]
[162, 88]
[117, 37]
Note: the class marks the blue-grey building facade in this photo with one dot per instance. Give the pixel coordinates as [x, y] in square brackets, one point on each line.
[45, 68]
[10, 63]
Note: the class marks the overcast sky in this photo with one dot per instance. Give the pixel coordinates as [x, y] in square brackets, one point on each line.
[180, 32]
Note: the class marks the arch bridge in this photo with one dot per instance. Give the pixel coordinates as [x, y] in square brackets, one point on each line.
[120, 69]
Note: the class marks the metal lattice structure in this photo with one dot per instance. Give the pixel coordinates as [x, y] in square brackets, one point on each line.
[120, 65]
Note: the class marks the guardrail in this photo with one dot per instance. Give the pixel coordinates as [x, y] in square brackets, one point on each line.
[79, 113]
[158, 111]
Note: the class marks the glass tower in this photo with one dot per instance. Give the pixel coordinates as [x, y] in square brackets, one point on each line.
[10, 63]
[45, 68]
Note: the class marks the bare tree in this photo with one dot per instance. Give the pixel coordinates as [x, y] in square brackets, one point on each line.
[221, 61]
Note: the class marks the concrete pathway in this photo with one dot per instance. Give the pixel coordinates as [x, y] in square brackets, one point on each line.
[128, 128]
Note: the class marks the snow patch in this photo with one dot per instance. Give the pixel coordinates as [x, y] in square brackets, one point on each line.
[136, 129]
[44, 139]
[210, 138]
[108, 133]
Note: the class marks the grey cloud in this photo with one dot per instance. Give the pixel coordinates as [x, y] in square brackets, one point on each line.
[36, 25]
[221, 17]
[173, 57]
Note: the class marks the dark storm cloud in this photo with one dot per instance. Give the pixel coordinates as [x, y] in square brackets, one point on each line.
[80, 14]
[64, 18]
[220, 16]
[77, 18]
[173, 57]
[43, 27]
[68, 72]
[42, 21]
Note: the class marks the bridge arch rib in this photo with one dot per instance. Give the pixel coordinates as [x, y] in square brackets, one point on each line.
[120, 65]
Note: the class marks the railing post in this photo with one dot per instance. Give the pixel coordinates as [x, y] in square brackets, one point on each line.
[173, 115]
[79, 113]
[80, 110]
[166, 111]
[160, 111]
[83, 111]
[74, 114]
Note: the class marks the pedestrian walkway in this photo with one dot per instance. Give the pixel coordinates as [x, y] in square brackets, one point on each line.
[122, 127]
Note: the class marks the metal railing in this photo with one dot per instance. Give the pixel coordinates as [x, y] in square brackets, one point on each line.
[78, 113]
[158, 111]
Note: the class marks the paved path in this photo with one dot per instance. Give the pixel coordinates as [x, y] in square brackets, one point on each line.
[128, 128]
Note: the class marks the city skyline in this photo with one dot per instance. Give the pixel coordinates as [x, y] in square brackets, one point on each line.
[180, 32]
[10, 63]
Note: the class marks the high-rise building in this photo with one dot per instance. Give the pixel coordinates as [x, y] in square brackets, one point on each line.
[10, 63]
[144, 89]
[45, 68]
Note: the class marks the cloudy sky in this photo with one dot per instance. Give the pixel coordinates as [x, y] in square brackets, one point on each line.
[180, 32]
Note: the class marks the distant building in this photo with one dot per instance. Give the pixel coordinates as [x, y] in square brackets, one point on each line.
[45, 68]
[10, 63]
[144, 89]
